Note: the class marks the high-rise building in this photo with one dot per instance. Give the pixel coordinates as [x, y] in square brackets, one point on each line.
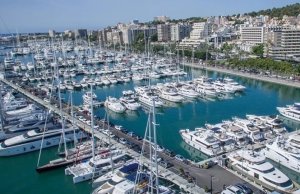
[130, 33]
[163, 32]
[198, 34]
[283, 44]
[52, 33]
[81, 33]
[253, 35]
[180, 31]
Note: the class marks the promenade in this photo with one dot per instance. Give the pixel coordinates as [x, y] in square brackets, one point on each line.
[285, 82]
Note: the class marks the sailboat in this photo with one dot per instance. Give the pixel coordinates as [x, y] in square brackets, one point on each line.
[142, 181]
[98, 164]
[80, 152]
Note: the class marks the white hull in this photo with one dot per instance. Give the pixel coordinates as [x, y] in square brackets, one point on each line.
[171, 98]
[289, 115]
[197, 146]
[283, 159]
[36, 145]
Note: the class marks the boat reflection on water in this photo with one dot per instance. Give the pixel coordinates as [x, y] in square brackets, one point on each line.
[193, 153]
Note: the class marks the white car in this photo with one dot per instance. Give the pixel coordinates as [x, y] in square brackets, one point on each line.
[179, 158]
[122, 140]
[232, 190]
[118, 127]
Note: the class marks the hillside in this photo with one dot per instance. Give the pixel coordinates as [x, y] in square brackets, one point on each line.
[289, 10]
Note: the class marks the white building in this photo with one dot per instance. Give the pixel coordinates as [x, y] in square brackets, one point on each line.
[283, 44]
[252, 35]
[198, 34]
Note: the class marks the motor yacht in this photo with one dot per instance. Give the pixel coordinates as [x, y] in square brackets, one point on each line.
[202, 140]
[282, 152]
[291, 111]
[107, 182]
[114, 105]
[31, 140]
[254, 165]
[96, 166]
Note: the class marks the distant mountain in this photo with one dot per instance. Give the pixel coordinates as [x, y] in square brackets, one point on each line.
[289, 10]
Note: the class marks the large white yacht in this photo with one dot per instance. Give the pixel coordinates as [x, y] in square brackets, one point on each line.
[148, 97]
[253, 131]
[206, 89]
[114, 105]
[273, 122]
[108, 181]
[130, 103]
[254, 165]
[202, 140]
[26, 110]
[234, 85]
[96, 166]
[88, 96]
[187, 91]
[291, 111]
[170, 94]
[31, 140]
[237, 133]
[282, 152]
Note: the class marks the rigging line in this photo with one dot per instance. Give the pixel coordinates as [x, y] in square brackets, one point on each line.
[45, 125]
[4, 24]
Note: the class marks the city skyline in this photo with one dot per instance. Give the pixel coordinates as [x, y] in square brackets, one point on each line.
[40, 16]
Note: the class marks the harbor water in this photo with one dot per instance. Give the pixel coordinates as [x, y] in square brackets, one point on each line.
[18, 173]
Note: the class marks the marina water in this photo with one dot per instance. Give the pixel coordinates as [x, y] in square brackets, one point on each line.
[18, 173]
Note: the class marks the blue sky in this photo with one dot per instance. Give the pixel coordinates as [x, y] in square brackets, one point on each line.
[41, 15]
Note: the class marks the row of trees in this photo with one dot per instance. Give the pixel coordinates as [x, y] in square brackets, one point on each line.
[289, 10]
[265, 64]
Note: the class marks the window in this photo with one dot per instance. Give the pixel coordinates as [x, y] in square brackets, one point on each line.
[285, 184]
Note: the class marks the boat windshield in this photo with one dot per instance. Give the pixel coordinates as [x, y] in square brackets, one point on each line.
[284, 184]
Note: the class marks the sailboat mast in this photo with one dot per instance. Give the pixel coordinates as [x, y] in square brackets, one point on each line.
[1, 108]
[72, 115]
[60, 108]
[92, 123]
[155, 146]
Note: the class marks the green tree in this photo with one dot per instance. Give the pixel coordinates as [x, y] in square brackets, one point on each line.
[258, 50]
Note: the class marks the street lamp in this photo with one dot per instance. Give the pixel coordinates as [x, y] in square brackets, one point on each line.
[211, 188]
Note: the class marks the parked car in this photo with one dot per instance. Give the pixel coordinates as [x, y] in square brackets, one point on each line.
[179, 158]
[119, 127]
[169, 153]
[122, 140]
[130, 133]
[165, 164]
[138, 138]
[232, 190]
[244, 188]
[208, 164]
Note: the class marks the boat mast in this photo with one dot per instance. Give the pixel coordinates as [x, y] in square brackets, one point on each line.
[1, 108]
[109, 142]
[60, 107]
[72, 115]
[155, 146]
[92, 123]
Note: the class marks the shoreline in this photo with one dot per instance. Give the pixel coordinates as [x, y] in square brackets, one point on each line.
[289, 83]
